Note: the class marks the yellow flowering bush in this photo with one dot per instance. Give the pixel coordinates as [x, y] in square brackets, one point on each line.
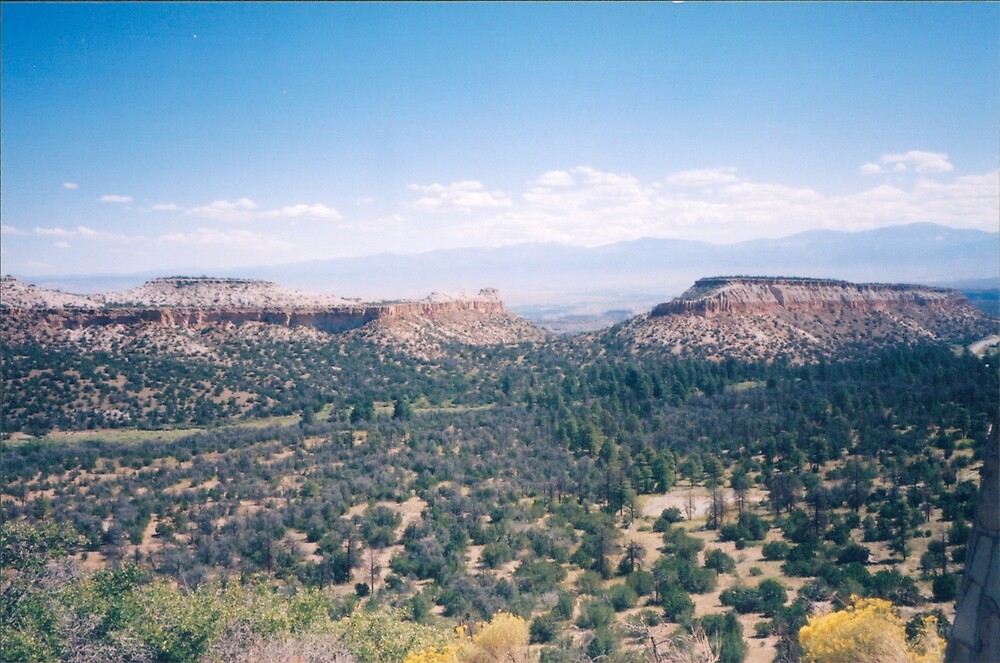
[503, 639]
[868, 631]
[444, 654]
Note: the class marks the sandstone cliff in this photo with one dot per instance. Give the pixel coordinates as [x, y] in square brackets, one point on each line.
[751, 295]
[801, 319]
[182, 304]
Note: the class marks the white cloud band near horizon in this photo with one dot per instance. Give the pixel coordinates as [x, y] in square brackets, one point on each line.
[580, 205]
[245, 210]
[915, 160]
[584, 205]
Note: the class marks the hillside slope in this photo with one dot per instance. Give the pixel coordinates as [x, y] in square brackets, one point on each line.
[800, 319]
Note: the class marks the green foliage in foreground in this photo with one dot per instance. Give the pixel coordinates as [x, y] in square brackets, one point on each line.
[120, 614]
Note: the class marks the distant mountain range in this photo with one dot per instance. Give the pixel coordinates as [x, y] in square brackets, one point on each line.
[540, 280]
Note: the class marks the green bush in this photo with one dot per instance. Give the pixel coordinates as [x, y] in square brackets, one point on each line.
[543, 629]
[594, 614]
[720, 561]
[775, 550]
[854, 552]
[622, 597]
[668, 517]
[945, 587]
[676, 604]
[641, 581]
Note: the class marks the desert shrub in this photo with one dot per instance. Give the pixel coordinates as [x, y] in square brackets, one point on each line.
[727, 632]
[775, 550]
[945, 587]
[869, 631]
[668, 517]
[602, 644]
[676, 603]
[496, 554]
[543, 629]
[741, 599]
[854, 553]
[622, 597]
[595, 614]
[563, 608]
[895, 587]
[383, 635]
[748, 527]
[720, 561]
[641, 581]
[767, 598]
[772, 596]
[679, 543]
[589, 582]
[504, 638]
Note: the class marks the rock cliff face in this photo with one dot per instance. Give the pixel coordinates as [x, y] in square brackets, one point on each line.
[193, 303]
[801, 319]
[975, 635]
[754, 295]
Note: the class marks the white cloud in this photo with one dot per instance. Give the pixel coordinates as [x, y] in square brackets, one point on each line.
[716, 205]
[314, 211]
[72, 186]
[245, 210]
[465, 195]
[62, 245]
[703, 177]
[113, 198]
[244, 239]
[871, 169]
[54, 232]
[165, 207]
[226, 210]
[11, 230]
[555, 178]
[84, 231]
[921, 162]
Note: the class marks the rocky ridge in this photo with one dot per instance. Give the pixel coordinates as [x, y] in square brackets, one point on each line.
[15, 293]
[800, 319]
[749, 295]
[201, 292]
[172, 309]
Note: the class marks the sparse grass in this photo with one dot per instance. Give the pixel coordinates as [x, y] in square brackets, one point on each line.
[138, 435]
[746, 386]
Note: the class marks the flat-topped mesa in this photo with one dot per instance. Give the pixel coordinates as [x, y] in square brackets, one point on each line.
[205, 292]
[200, 301]
[486, 302]
[762, 295]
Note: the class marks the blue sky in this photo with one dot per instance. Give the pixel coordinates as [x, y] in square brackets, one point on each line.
[186, 136]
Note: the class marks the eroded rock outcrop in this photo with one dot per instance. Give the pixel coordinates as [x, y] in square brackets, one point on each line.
[751, 295]
[192, 303]
[801, 319]
[975, 635]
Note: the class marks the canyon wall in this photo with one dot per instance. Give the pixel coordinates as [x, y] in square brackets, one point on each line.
[761, 295]
[329, 319]
[196, 302]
